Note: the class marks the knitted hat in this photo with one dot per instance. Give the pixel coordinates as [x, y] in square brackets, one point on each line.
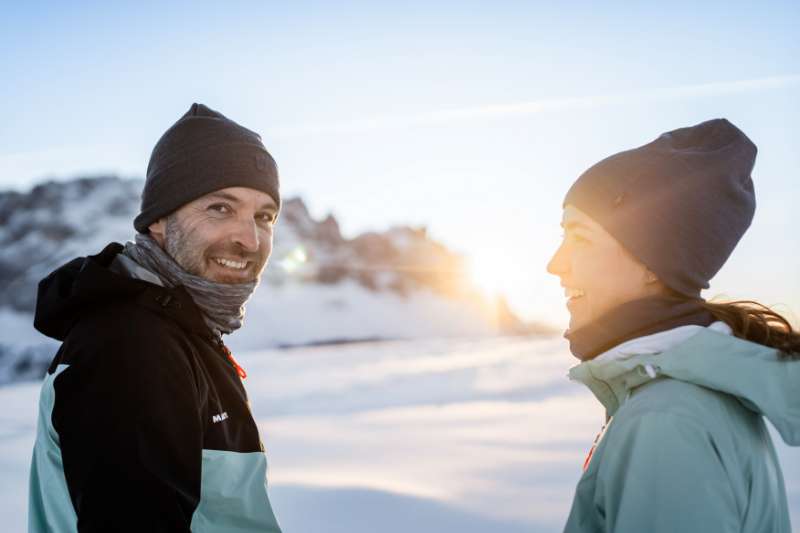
[203, 152]
[679, 204]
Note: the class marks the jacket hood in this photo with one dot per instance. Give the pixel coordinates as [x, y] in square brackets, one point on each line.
[756, 375]
[85, 284]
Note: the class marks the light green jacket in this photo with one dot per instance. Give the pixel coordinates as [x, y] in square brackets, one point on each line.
[687, 449]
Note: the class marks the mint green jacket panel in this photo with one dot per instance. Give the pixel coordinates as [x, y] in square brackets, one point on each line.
[754, 374]
[49, 506]
[678, 456]
[670, 462]
[234, 494]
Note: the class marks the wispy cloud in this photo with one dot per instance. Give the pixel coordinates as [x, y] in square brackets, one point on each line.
[539, 106]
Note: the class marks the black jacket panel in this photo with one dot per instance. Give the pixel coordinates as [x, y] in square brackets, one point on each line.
[147, 389]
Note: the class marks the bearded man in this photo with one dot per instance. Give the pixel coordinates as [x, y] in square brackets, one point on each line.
[144, 424]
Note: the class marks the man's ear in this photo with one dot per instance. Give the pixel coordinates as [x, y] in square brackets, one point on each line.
[157, 230]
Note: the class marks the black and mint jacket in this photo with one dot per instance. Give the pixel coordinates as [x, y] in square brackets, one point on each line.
[144, 424]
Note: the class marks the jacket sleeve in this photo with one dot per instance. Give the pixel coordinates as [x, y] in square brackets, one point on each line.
[662, 473]
[128, 416]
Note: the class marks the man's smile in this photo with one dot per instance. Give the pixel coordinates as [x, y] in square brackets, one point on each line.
[230, 263]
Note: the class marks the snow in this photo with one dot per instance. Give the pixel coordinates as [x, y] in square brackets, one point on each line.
[24, 352]
[433, 435]
[21, 324]
[290, 314]
[301, 313]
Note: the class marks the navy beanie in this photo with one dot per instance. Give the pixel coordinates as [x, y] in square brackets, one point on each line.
[679, 204]
[203, 152]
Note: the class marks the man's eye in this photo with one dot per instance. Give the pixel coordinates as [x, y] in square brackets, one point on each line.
[266, 217]
[219, 208]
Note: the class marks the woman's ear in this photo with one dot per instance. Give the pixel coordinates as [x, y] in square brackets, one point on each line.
[650, 277]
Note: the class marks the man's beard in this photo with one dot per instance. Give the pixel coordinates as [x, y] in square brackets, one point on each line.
[181, 246]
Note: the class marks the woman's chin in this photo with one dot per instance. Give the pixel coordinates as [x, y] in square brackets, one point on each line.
[577, 318]
[578, 321]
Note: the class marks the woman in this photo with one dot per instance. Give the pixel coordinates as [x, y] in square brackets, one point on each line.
[685, 383]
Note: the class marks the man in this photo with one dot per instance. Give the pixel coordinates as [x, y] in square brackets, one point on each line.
[144, 424]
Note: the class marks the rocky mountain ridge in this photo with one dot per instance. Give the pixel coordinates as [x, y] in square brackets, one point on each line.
[318, 287]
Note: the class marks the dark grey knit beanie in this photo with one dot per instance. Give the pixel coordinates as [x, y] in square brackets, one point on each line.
[679, 204]
[203, 152]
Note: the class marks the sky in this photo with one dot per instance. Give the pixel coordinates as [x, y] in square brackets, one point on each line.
[469, 118]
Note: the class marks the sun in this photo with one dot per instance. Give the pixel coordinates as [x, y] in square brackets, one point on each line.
[488, 273]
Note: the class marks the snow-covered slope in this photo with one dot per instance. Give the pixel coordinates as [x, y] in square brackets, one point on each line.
[430, 436]
[318, 287]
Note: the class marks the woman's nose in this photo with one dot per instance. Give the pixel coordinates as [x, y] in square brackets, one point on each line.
[558, 264]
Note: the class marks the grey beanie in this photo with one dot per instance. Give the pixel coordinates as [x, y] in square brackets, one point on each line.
[679, 204]
[203, 152]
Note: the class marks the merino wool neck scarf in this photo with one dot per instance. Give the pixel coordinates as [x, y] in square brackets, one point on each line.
[635, 319]
[222, 304]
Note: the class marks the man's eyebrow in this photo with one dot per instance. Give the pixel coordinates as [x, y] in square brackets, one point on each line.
[224, 196]
[269, 206]
[266, 206]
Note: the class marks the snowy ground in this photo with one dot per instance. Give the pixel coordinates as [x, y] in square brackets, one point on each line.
[427, 436]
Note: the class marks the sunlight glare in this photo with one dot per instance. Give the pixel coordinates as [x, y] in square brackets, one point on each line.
[488, 273]
[294, 259]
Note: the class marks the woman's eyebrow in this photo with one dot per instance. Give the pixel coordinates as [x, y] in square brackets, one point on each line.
[571, 225]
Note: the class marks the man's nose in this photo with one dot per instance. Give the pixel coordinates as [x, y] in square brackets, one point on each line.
[246, 235]
[558, 264]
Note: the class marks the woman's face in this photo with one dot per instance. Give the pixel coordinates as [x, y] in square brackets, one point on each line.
[597, 273]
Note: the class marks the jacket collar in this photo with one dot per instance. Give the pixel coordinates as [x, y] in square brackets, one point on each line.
[175, 304]
[613, 374]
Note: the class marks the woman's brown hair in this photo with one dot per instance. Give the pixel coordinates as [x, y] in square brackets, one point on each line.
[758, 323]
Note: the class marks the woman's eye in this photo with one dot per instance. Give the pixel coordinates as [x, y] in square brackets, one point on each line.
[576, 239]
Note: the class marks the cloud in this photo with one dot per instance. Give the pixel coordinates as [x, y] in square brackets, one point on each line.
[494, 111]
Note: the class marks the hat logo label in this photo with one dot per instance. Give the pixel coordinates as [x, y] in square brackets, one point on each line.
[261, 162]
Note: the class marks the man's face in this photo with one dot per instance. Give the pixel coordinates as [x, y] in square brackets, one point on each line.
[224, 236]
[597, 273]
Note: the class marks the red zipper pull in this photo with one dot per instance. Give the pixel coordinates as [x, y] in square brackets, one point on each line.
[588, 459]
[239, 369]
[594, 445]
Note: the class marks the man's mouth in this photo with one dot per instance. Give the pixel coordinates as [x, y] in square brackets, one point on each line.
[233, 265]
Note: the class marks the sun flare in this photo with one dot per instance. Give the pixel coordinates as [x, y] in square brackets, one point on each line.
[488, 273]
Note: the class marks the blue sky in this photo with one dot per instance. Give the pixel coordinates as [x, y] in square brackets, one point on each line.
[471, 118]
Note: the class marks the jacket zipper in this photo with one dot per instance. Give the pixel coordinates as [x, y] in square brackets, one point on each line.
[227, 353]
[595, 443]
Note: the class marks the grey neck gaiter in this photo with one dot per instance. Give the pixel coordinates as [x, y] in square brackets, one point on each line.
[222, 304]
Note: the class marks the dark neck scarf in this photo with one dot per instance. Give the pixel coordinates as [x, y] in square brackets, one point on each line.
[222, 304]
[635, 319]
